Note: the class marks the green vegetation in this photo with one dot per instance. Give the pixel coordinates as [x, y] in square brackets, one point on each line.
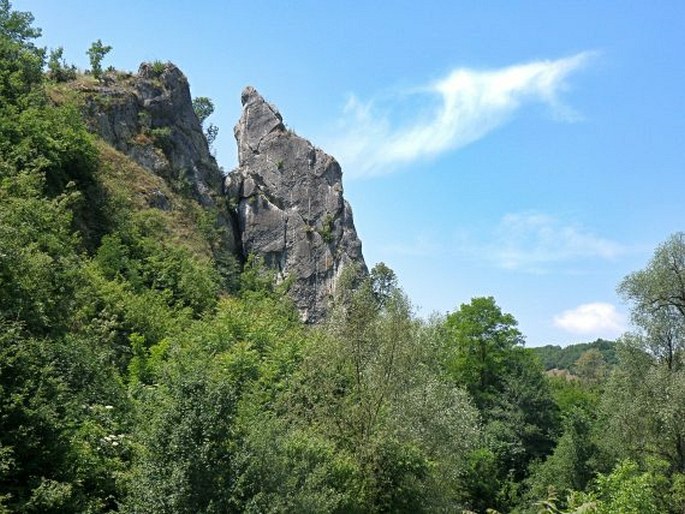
[58, 70]
[142, 371]
[486, 356]
[326, 230]
[556, 357]
[161, 135]
[96, 53]
[158, 67]
[204, 108]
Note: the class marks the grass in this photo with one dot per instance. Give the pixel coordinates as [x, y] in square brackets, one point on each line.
[128, 186]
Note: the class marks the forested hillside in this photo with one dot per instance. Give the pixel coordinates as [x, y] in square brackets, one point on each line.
[144, 371]
[557, 357]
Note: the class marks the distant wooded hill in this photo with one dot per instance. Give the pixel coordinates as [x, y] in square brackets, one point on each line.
[553, 356]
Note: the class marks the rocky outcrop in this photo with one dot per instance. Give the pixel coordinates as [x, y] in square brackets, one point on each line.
[150, 117]
[290, 206]
[284, 202]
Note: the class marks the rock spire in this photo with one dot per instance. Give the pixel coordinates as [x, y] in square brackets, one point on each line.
[290, 206]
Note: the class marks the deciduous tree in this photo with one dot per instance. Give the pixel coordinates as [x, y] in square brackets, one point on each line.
[96, 53]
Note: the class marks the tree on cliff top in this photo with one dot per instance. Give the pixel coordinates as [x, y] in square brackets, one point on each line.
[96, 53]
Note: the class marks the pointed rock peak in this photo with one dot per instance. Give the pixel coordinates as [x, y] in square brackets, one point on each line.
[290, 207]
[259, 119]
[250, 95]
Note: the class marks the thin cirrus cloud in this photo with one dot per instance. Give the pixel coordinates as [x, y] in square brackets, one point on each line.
[598, 318]
[538, 243]
[447, 114]
[534, 242]
[527, 242]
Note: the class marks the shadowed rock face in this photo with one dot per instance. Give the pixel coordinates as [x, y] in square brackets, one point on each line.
[290, 206]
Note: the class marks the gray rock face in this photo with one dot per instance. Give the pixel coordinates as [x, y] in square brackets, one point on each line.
[150, 117]
[290, 206]
[286, 196]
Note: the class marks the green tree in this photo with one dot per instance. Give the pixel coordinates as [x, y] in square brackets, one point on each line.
[564, 358]
[657, 294]
[16, 25]
[21, 61]
[644, 404]
[373, 388]
[188, 434]
[591, 367]
[643, 409]
[36, 137]
[203, 107]
[384, 282]
[211, 133]
[481, 337]
[287, 469]
[63, 416]
[569, 467]
[485, 355]
[96, 53]
[58, 70]
[625, 490]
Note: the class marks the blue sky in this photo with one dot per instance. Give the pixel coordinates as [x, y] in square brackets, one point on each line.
[532, 151]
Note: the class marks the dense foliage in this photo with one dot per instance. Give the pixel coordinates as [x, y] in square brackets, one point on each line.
[556, 357]
[139, 373]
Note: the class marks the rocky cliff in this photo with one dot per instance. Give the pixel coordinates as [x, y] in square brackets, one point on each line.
[150, 117]
[290, 206]
[284, 203]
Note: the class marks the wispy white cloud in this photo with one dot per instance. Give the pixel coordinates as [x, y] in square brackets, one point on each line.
[528, 242]
[599, 319]
[533, 241]
[378, 137]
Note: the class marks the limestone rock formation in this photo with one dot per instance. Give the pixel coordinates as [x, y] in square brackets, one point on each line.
[283, 203]
[290, 206]
[150, 117]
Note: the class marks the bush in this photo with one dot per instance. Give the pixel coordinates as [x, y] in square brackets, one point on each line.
[58, 70]
[158, 67]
